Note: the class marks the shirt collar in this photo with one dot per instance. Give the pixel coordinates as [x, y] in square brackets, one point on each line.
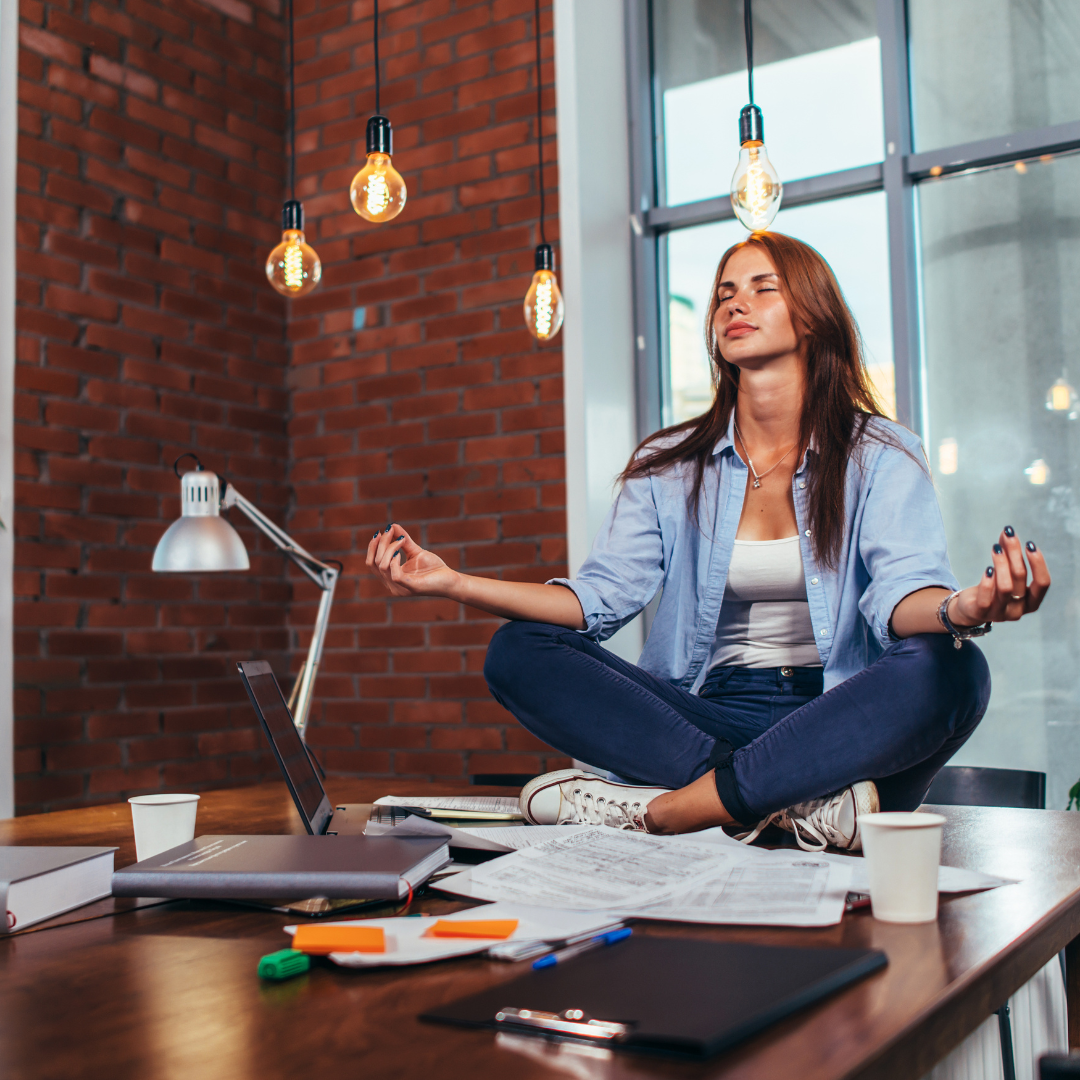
[728, 439]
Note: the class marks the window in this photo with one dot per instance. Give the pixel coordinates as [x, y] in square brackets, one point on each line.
[929, 152]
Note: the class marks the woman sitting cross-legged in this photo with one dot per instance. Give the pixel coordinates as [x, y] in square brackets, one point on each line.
[809, 659]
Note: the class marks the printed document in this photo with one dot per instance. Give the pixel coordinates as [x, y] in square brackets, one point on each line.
[493, 805]
[491, 838]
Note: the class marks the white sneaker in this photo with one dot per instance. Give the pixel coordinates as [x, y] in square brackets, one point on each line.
[831, 820]
[573, 797]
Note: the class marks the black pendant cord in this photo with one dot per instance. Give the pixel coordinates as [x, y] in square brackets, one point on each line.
[292, 108]
[748, 30]
[378, 111]
[539, 129]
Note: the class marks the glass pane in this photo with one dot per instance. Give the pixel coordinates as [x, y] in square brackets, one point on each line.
[1000, 254]
[817, 73]
[982, 68]
[852, 236]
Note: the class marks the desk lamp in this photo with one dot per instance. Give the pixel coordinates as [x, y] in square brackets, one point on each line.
[203, 541]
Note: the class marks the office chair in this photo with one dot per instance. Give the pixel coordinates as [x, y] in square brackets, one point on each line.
[962, 785]
[1059, 1067]
[502, 779]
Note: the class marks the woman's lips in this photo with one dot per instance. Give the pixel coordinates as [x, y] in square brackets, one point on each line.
[739, 329]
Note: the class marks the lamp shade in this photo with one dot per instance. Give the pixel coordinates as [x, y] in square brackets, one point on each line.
[201, 540]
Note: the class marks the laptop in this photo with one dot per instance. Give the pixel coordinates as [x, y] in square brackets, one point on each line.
[319, 816]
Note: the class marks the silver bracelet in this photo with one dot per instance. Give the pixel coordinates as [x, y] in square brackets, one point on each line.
[960, 634]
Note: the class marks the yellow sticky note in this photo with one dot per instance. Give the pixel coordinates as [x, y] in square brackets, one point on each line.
[480, 928]
[321, 940]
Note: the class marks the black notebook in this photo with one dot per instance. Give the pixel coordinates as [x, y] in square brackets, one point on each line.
[675, 995]
[289, 867]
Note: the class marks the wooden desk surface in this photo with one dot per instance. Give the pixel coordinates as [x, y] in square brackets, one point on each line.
[170, 991]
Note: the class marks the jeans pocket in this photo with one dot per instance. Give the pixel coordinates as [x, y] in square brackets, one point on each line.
[715, 681]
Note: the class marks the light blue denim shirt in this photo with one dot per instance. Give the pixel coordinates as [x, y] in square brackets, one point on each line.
[894, 544]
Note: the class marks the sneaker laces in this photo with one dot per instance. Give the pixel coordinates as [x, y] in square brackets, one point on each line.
[818, 819]
[600, 810]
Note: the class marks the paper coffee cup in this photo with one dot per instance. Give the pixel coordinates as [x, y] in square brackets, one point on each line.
[903, 852]
[162, 822]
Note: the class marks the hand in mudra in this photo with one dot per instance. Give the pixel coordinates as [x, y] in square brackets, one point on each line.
[422, 573]
[1004, 593]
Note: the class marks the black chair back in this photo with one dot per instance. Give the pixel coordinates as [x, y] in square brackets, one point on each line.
[501, 779]
[962, 785]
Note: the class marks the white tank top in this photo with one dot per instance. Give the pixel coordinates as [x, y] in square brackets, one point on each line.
[765, 618]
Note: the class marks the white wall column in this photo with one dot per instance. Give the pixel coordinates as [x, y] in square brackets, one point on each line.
[9, 64]
[595, 272]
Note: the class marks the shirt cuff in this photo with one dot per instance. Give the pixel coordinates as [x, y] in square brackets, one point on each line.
[592, 606]
[897, 592]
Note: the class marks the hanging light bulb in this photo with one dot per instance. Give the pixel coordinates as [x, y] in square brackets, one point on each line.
[755, 187]
[293, 268]
[378, 191]
[543, 302]
[1061, 398]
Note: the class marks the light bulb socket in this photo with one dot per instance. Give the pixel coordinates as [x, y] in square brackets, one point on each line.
[292, 215]
[380, 135]
[751, 125]
[545, 257]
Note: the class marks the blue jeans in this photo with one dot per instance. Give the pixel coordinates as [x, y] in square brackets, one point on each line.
[774, 738]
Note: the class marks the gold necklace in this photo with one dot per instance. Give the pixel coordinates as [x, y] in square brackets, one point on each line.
[757, 475]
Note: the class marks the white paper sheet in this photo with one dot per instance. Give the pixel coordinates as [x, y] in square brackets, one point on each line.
[784, 891]
[595, 868]
[476, 804]
[951, 879]
[406, 944]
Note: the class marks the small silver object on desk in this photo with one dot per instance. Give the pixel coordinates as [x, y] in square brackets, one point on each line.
[568, 1022]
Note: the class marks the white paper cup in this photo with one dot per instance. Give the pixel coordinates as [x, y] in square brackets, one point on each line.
[902, 852]
[162, 822]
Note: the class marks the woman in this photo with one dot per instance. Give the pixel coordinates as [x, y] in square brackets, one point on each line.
[808, 661]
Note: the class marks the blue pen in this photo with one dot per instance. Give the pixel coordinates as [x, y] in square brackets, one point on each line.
[598, 942]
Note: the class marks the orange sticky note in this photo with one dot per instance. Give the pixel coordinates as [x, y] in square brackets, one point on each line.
[321, 940]
[479, 928]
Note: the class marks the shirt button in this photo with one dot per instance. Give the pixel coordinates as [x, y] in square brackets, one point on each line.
[807, 533]
[813, 581]
[802, 483]
[824, 633]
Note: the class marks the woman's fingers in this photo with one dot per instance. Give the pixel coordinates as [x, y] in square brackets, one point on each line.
[1004, 608]
[1014, 552]
[1040, 577]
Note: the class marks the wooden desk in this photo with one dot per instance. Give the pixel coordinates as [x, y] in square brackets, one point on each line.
[171, 992]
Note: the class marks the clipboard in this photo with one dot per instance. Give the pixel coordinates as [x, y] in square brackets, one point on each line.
[680, 996]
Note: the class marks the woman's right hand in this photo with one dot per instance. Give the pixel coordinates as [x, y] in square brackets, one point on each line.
[405, 568]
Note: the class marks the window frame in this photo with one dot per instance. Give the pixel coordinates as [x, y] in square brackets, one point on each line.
[898, 176]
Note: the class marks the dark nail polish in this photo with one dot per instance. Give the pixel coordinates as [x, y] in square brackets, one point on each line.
[375, 536]
[998, 549]
[388, 527]
[1031, 545]
[1009, 530]
[397, 539]
[989, 571]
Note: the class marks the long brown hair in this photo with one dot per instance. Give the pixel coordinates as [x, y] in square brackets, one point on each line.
[837, 406]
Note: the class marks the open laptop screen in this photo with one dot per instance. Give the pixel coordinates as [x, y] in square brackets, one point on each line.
[285, 740]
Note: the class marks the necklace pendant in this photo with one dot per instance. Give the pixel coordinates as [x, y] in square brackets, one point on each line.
[757, 483]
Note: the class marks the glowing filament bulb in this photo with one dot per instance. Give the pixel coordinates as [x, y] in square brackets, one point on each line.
[543, 302]
[948, 456]
[756, 190]
[292, 267]
[377, 191]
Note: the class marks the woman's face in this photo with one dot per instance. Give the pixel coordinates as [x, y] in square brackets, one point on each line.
[752, 322]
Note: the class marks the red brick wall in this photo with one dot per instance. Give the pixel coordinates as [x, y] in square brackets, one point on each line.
[151, 175]
[150, 187]
[442, 413]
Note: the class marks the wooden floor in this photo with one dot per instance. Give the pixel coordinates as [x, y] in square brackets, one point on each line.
[170, 991]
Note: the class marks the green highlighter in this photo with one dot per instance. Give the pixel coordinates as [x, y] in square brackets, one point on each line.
[283, 964]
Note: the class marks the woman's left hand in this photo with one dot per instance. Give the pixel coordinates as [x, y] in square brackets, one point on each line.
[1005, 593]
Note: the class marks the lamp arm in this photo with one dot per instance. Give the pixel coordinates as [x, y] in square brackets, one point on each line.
[314, 568]
[323, 574]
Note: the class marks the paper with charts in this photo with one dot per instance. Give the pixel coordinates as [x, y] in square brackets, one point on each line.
[661, 877]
